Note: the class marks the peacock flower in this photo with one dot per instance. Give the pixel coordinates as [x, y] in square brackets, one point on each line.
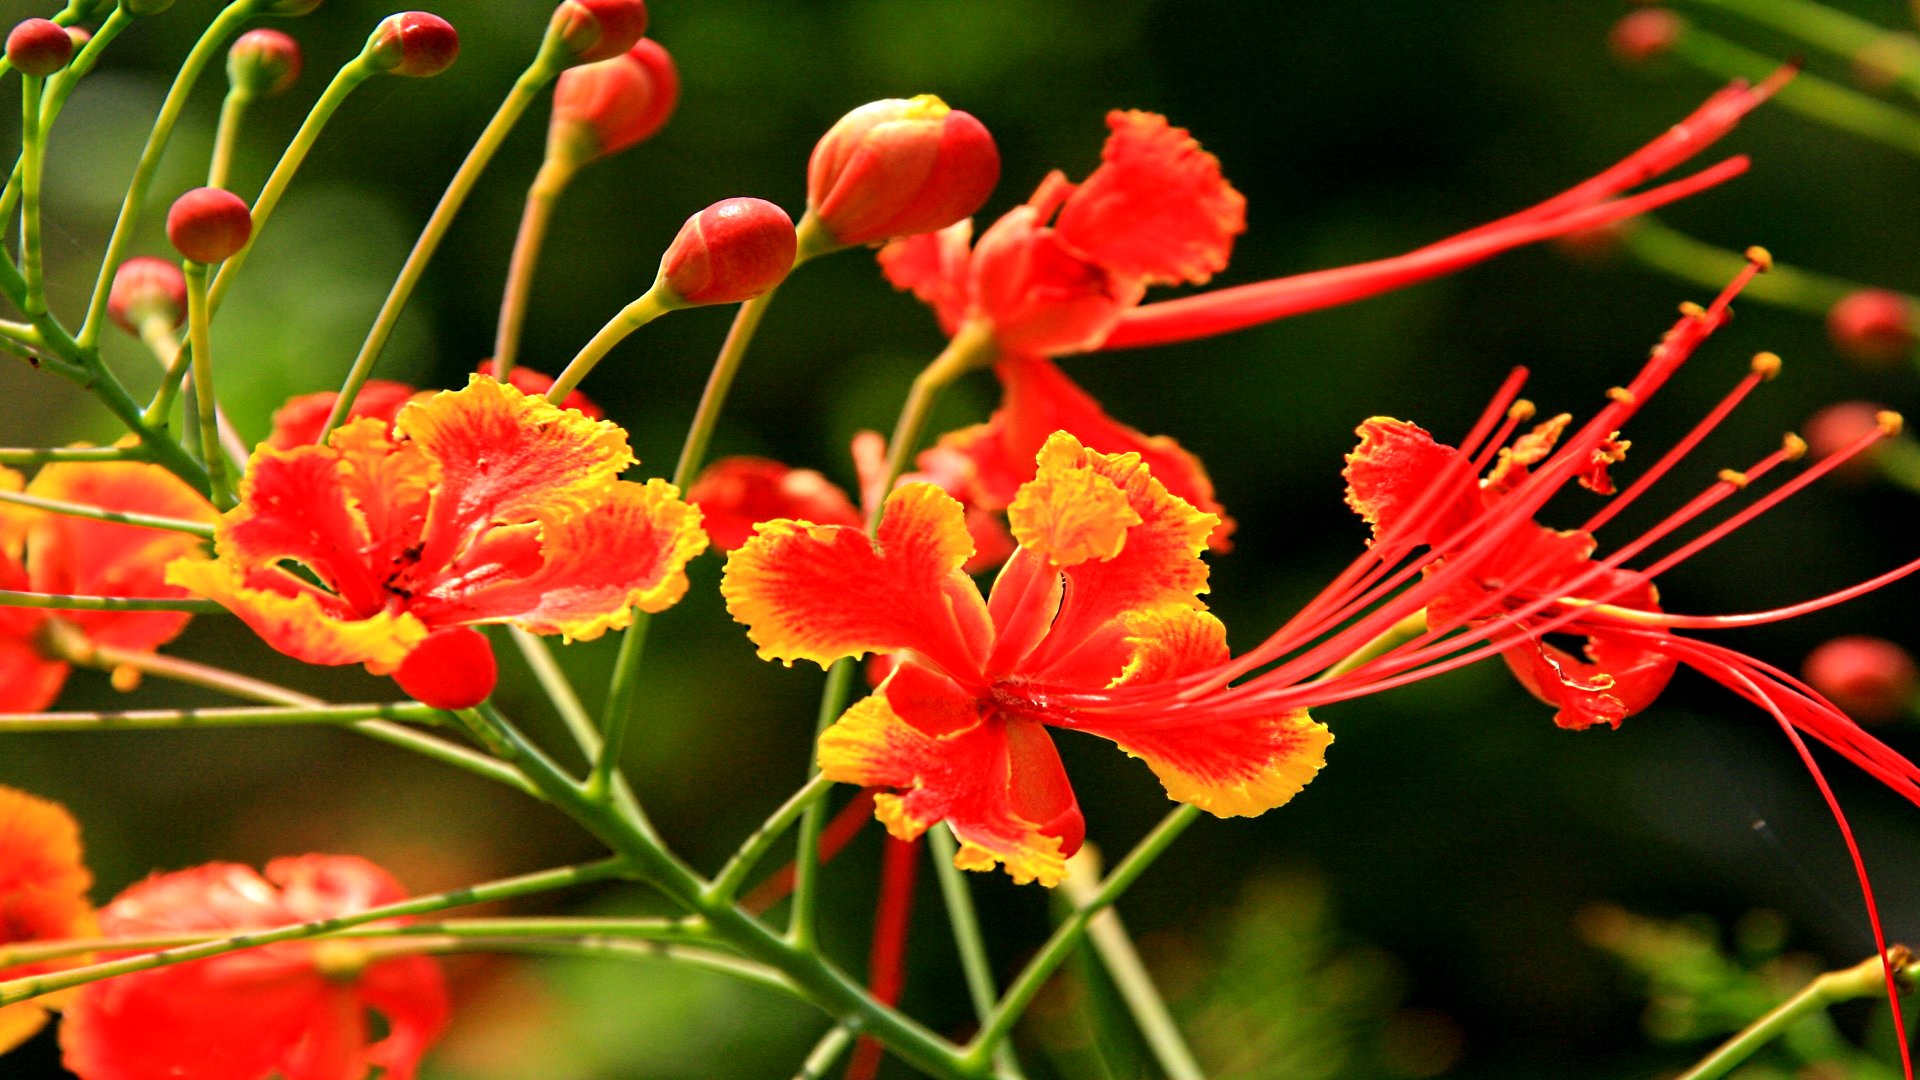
[55, 553]
[43, 897]
[481, 505]
[296, 1009]
[1102, 593]
[300, 421]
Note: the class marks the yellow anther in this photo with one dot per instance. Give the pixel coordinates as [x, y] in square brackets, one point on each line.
[1890, 422]
[1692, 310]
[1760, 257]
[1733, 476]
[1766, 365]
[1621, 395]
[1520, 411]
[125, 678]
[1794, 445]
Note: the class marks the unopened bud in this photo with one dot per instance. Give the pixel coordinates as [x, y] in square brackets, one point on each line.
[147, 288]
[1872, 679]
[601, 109]
[1645, 34]
[1873, 326]
[452, 668]
[415, 44]
[1837, 428]
[263, 62]
[596, 30]
[209, 224]
[734, 250]
[39, 47]
[900, 167]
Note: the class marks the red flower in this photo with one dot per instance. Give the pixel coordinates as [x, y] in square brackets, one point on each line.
[298, 422]
[43, 897]
[601, 109]
[54, 553]
[481, 505]
[297, 1009]
[1102, 593]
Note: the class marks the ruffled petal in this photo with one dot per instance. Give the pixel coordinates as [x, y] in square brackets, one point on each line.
[734, 494]
[537, 384]
[964, 778]
[1041, 295]
[1617, 678]
[1395, 465]
[933, 266]
[304, 625]
[821, 592]
[43, 893]
[1157, 208]
[630, 551]
[298, 422]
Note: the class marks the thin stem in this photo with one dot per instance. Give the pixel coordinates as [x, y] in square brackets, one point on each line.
[233, 110]
[202, 54]
[71, 602]
[657, 301]
[733, 876]
[713, 399]
[554, 175]
[806, 856]
[41, 455]
[1129, 973]
[1893, 53]
[825, 1052]
[1674, 252]
[175, 361]
[60, 87]
[617, 716]
[968, 940]
[566, 701]
[1809, 95]
[199, 333]
[546, 65]
[972, 347]
[33, 158]
[1866, 979]
[181, 719]
[95, 513]
[14, 991]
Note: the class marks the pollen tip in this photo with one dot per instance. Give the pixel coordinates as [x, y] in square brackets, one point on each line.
[1793, 446]
[1621, 395]
[1692, 310]
[1733, 476]
[1521, 411]
[1760, 257]
[1767, 365]
[1891, 423]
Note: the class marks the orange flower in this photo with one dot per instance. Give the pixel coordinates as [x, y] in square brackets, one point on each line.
[481, 505]
[298, 422]
[54, 553]
[1102, 592]
[297, 1009]
[43, 896]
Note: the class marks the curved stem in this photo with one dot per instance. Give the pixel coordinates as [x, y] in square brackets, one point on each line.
[33, 156]
[1817, 99]
[825, 1052]
[806, 856]
[555, 173]
[617, 717]
[233, 110]
[713, 399]
[971, 348]
[968, 940]
[651, 305]
[1895, 54]
[199, 333]
[1674, 252]
[1129, 973]
[733, 876]
[202, 54]
[1866, 979]
[566, 701]
[546, 65]
[95, 513]
[59, 88]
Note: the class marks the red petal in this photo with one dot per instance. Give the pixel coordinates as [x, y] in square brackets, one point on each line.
[735, 494]
[1157, 208]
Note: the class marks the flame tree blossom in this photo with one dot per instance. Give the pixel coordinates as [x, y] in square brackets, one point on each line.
[297, 1009]
[481, 505]
[43, 897]
[1102, 592]
[53, 553]
[300, 421]
[1067, 272]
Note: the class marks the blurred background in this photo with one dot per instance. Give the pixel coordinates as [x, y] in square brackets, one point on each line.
[1428, 906]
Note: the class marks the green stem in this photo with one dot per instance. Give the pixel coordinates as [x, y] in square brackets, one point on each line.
[1899, 461]
[656, 302]
[203, 52]
[566, 701]
[199, 333]
[95, 513]
[733, 876]
[604, 948]
[1673, 252]
[713, 399]
[971, 348]
[825, 1052]
[59, 88]
[1864, 980]
[71, 602]
[546, 66]
[180, 719]
[1129, 973]
[554, 175]
[968, 940]
[157, 332]
[617, 717]
[33, 158]
[233, 110]
[1894, 54]
[1809, 95]
[806, 856]
[41, 455]
[17, 990]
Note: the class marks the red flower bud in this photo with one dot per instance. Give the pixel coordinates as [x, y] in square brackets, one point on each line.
[606, 107]
[264, 62]
[1873, 326]
[1645, 34]
[414, 43]
[453, 668]
[39, 47]
[597, 30]
[145, 288]
[1837, 427]
[734, 250]
[209, 224]
[1870, 678]
[898, 168]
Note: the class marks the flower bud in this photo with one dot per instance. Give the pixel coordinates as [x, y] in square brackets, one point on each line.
[146, 288]
[1645, 34]
[263, 62]
[1837, 427]
[900, 167]
[39, 47]
[601, 109]
[1873, 326]
[453, 668]
[596, 30]
[414, 43]
[209, 224]
[1872, 679]
[734, 250]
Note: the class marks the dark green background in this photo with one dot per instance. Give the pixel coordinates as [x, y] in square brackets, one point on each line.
[1455, 826]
